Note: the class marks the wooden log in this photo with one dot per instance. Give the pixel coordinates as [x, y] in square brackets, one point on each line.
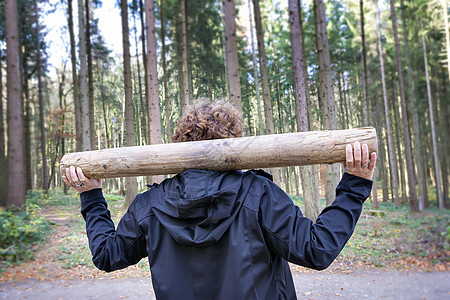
[264, 151]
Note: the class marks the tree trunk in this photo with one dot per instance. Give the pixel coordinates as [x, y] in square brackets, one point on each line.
[153, 106]
[2, 126]
[262, 151]
[446, 109]
[344, 122]
[90, 76]
[108, 143]
[131, 183]
[447, 34]
[268, 110]
[16, 168]
[381, 169]
[313, 122]
[76, 92]
[445, 128]
[364, 65]
[179, 65]
[86, 145]
[309, 184]
[166, 88]
[422, 180]
[366, 91]
[255, 70]
[311, 104]
[3, 162]
[27, 121]
[187, 96]
[141, 113]
[41, 104]
[327, 93]
[144, 59]
[398, 141]
[392, 157]
[232, 54]
[62, 107]
[153, 93]
[440, 198]
[409, 159]
[225, 55]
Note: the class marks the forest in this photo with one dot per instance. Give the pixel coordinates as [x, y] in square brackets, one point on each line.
[288, 67]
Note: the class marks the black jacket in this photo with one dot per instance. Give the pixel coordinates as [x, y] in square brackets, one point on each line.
[221, 235]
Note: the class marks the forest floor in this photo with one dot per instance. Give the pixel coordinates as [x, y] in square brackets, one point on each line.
[397, 255]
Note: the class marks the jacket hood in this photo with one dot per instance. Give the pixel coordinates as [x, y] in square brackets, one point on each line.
[197, 206]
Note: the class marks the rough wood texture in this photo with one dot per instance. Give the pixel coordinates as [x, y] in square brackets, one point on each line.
[264, 151]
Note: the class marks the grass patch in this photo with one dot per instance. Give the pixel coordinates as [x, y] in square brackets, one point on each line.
[74, 251]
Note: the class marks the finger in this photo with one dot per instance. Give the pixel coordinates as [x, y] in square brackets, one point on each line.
[66, 181]
[373, 161]
[349, 163]
[365, 155]
[81, 175]
[357, 154]
[68, 176]
[74, 175]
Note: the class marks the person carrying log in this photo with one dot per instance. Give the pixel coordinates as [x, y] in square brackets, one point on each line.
[222, 234]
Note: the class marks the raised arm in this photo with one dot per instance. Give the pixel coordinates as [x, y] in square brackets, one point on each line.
[296, 238]
[111, 249]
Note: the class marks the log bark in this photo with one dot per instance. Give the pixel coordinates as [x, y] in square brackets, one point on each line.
[264, 151]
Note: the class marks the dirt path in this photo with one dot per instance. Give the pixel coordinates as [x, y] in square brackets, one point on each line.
[311, 285]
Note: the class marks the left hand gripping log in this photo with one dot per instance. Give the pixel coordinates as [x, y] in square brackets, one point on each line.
[263, 151]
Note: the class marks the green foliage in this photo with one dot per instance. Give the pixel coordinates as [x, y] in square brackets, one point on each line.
[20, 233]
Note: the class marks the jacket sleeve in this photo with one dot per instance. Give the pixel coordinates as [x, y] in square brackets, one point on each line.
[296, 238]
[111, 249]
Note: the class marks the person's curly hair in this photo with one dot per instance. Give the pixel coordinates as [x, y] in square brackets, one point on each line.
[208, 121]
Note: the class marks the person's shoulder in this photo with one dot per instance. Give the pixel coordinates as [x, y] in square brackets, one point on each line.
[142, 201]
[259, 181]
[261, 174]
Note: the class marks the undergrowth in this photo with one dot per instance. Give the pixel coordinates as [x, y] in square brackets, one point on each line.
[21, 233]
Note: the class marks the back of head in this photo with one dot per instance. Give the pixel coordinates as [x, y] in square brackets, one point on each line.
[208, 121]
